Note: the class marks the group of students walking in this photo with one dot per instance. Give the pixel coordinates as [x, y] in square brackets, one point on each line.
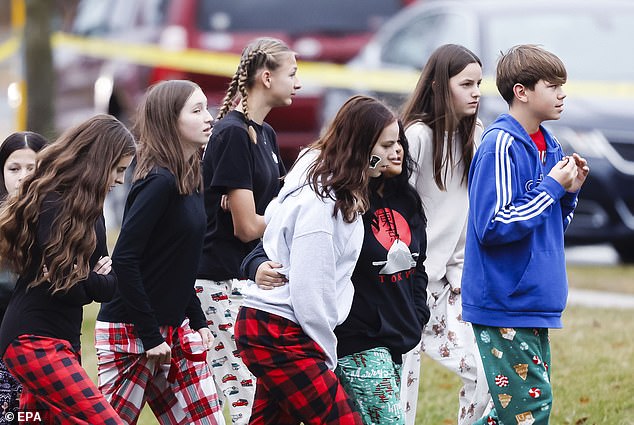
[299, 297]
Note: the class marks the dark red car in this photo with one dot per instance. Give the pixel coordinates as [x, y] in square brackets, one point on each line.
[240, 402]
[219, 296]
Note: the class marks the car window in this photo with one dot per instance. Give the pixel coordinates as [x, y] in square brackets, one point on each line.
[593, 45]
[317, 16]
[92, 17]
[153, 13]
[98, 17]
[412, 45]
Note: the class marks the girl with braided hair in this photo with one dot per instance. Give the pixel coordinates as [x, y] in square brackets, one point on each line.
[53, 235]
[241, 171]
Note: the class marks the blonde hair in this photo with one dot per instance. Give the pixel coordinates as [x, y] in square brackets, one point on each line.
[261, 53]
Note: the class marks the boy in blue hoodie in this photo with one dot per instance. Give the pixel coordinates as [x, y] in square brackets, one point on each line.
[522, 194]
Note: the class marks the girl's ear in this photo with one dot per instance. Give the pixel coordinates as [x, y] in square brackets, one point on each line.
[265, 77]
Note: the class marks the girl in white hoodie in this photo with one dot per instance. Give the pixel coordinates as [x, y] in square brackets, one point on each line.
[285, 335]
[442, 128]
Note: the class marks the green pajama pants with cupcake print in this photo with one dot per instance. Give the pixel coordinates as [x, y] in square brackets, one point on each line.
[516, 363]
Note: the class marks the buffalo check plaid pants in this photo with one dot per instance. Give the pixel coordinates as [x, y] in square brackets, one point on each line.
[54, 385]
[180, 393]
[293, 382]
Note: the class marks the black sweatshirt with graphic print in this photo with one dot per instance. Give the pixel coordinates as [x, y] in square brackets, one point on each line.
[389, 308]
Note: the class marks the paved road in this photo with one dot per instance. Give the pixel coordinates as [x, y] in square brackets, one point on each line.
[596, 255]
[599, 299]
[600, 255]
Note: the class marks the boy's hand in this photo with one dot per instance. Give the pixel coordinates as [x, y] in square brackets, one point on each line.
[582, 172]
[565, 172]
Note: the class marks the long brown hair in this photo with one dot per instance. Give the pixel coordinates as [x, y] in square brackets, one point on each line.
[159, 138]
[261, 53]
[341, 171]
[431, 104]
[77, 167]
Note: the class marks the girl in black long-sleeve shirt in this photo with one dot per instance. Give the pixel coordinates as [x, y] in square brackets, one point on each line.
[53, 235]
[152, 338]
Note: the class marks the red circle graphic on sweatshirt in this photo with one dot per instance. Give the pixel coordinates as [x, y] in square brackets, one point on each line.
[390, 223]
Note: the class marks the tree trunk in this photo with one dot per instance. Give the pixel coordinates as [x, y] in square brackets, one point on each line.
[38, 67]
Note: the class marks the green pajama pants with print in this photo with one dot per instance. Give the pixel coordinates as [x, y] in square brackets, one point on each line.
[373, 381]
[516, 363]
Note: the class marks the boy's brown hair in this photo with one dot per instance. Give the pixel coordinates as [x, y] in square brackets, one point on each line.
[526, 64]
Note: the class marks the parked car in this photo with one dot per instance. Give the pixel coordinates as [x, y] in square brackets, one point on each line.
[324, 30]
[594, 41]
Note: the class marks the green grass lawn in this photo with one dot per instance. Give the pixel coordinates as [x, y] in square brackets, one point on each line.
[593, 383]
[592, 361]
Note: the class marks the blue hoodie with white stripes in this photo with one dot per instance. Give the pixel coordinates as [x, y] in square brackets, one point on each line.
[514, 271]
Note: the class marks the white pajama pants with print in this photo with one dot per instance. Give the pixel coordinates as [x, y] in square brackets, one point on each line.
[451, 342]
[220, 301]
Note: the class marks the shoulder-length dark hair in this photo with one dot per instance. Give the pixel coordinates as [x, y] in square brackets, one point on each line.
[78, 168]
[15, 142]
[431, 104]
[159, 138]
[341, 171]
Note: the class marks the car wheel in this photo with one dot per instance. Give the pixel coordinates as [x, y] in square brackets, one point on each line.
[625, 248]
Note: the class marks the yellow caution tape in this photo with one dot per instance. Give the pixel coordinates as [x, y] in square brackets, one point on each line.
[319, 74]
[150, 54]
[9, 47]
[225, 64]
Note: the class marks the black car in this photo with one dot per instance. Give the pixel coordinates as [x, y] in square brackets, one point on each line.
[594, 41]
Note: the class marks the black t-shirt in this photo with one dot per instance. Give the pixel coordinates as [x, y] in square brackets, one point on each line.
[35, 311]
[156, 258]
[233, 161]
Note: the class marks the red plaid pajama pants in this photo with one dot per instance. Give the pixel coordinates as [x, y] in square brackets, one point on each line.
[54, 385]
[293, 382]
[181, 393]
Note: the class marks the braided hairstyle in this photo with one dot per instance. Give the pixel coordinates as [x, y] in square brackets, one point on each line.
[261, 53]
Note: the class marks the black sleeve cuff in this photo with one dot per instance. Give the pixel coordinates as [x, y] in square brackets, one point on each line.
[252, 261]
